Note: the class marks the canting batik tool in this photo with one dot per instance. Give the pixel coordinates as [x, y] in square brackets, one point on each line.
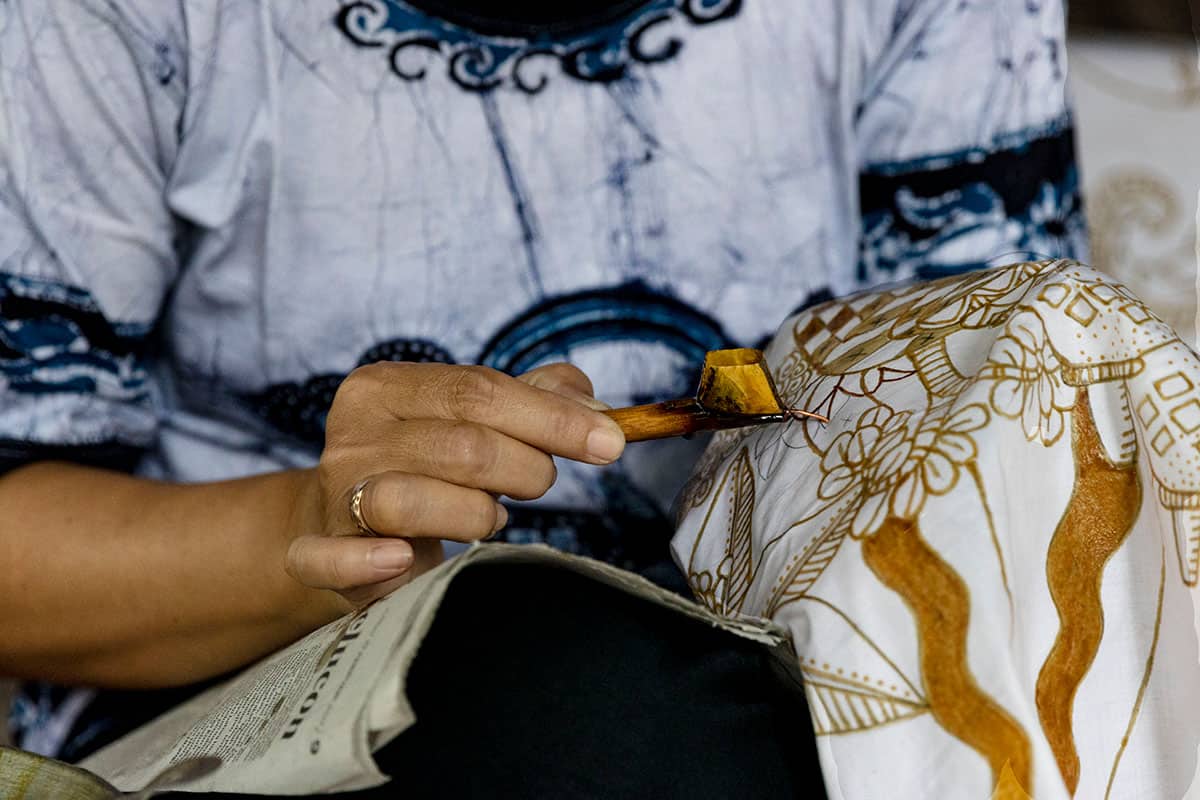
[735, 391]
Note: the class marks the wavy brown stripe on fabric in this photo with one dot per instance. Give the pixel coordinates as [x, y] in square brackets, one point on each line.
[1104, 504]
[941, 603]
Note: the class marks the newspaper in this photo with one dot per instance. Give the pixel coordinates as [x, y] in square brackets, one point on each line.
[307, 718]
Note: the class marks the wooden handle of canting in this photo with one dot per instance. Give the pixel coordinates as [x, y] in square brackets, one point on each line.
[661, 420]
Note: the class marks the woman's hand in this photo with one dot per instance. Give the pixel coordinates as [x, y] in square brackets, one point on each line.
[433, 446]
[171, 583]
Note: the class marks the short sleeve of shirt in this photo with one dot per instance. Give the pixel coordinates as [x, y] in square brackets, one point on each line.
[89, 103]
[965, 140]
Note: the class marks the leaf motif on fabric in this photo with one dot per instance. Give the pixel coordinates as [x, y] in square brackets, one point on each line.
[809, 565]
[724, 588]
[841, 705]
[737, 551]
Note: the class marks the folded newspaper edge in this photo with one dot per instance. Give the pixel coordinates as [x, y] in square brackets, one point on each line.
[307, 718]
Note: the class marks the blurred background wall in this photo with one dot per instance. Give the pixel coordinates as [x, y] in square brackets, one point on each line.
[1165, 17]
[1135, 78]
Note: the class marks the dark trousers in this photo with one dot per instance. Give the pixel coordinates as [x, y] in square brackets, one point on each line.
[534, 682]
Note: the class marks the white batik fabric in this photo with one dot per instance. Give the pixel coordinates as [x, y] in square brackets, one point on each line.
[988, 557]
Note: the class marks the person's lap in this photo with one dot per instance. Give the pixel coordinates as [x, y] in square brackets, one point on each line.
[535, 682]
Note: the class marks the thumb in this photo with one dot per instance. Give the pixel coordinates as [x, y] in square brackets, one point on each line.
[346, 563]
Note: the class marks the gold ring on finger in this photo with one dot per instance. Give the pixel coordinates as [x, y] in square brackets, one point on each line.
[356, 514]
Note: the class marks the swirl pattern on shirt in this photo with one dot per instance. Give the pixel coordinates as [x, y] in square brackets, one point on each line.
[518, 44]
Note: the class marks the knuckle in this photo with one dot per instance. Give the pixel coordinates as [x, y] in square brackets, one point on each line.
[547, 479]
[573, 376]
[472, 392]
[333, 482]
[559, 376]
[545, 377]
[568, 427]
[394, 504]
[537, 481]
[357, 386]
[351, 397]
[338, 573]
[328, 467]
[471, 449]
[481, 518]
[335, 461]
[294, 564]
[311, 561]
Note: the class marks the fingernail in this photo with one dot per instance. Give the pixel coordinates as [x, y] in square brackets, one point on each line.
[391, 557]
[501, 517]
[605, 444]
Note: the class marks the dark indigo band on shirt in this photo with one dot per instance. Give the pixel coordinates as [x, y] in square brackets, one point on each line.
[106, 455]
[1020, 199]
[55, 339]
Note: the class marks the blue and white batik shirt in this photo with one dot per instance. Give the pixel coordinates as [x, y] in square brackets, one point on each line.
[211, 211]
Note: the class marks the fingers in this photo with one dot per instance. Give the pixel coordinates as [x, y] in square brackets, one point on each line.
[342, 563]
[393, 504]
[566, 380]
[544, 419]
[403, 504]
[470, 455]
